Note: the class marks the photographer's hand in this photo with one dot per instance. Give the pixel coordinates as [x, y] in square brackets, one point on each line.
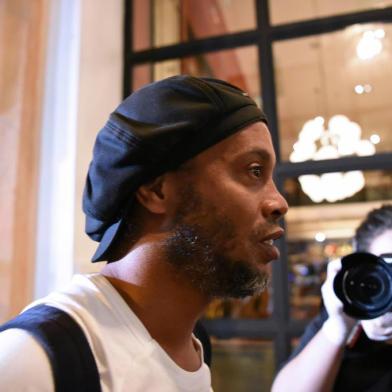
[338, 326]
[379, 328]
[315, 368]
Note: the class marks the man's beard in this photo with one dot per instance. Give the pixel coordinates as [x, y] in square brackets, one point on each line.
[199, 246]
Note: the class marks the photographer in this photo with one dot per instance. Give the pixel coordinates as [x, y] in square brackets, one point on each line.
[338, 352]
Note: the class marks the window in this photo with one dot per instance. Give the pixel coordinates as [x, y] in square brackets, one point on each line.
[250, 363]
[299, 72]
[238, 66]
[345, 72]
[284, 11]
[167, 22]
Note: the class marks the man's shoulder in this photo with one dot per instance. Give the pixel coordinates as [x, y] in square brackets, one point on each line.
[21, 354]
[65, 344]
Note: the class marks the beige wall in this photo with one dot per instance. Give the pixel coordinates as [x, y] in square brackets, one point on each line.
[83, 85]
[22, 48]
[100, 92]
[60, 77]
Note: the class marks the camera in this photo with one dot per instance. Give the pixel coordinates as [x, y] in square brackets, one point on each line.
[364, 285]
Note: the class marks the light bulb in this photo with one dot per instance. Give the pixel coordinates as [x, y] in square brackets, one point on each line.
[375, 139]
[379, 33]
[365, 148]
[369, 46]
[320, 237]
[359, 89]
[326, 152]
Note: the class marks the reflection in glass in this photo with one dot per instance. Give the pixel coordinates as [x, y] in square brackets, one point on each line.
[378, 186]
[326, 75]
[308, 261]
[242, 365]
[283, 11]
[339, 138]
[237, 66]
[167, 22]
[318, 233]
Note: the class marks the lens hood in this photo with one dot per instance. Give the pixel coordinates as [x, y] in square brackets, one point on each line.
[364, 285]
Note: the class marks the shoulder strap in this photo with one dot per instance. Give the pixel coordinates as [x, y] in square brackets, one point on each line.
[72, 361]
[202, 334]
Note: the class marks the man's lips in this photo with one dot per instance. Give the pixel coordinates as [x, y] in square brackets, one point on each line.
[267, 244]
[269, 238]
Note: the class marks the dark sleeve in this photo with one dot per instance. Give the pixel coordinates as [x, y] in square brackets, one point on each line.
[313, 327]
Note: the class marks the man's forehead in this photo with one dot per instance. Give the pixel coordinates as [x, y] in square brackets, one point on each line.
[252, 140]
[262, 153]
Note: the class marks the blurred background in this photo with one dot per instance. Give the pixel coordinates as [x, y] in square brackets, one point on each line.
[322, 71]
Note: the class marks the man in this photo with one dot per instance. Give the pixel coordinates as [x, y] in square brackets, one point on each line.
[338, 352]
[181, 199]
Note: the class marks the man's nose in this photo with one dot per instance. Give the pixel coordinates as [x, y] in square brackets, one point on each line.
[275, 205]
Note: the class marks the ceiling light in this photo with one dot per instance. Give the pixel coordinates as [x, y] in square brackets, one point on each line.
[379, 33]
[370, 44]
[341, 138]
[368, 88]
[320, 237]
[375, 139]
[363, 88]
[364, 148]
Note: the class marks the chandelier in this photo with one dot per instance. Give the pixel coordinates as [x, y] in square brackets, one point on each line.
[341, 138]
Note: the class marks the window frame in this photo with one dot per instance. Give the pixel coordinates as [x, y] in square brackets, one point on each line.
[279, 327]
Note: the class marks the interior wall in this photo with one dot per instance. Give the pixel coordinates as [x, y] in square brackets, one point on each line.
[83, 84]
[22, 48]
[60, 77]
[100, 92]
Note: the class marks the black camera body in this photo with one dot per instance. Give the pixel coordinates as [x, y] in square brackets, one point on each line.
[364, 285]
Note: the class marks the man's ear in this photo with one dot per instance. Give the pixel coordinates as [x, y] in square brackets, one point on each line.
[151, 196]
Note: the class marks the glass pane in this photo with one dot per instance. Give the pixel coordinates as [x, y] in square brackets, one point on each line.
[345, 74]
[295, 342]
[283, 11]
[238, 66]
[318, 233]
[167, 22]
[307, 270]
[339, 187]
[242, 365]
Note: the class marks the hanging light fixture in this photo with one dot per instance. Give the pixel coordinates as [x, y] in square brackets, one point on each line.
[341, 138]
[370, 45]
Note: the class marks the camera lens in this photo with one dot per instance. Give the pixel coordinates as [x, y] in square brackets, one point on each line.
[364, 285]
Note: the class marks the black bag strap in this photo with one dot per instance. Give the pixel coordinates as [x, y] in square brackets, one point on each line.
[72, 361]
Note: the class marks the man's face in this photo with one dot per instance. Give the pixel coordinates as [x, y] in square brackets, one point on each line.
[380, 328]
[226, 214]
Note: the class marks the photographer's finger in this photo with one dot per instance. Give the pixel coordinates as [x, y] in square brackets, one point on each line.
[333, 267]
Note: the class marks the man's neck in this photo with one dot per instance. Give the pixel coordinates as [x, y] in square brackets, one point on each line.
[167, 305]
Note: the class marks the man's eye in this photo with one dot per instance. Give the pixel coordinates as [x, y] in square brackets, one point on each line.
[256, 170]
